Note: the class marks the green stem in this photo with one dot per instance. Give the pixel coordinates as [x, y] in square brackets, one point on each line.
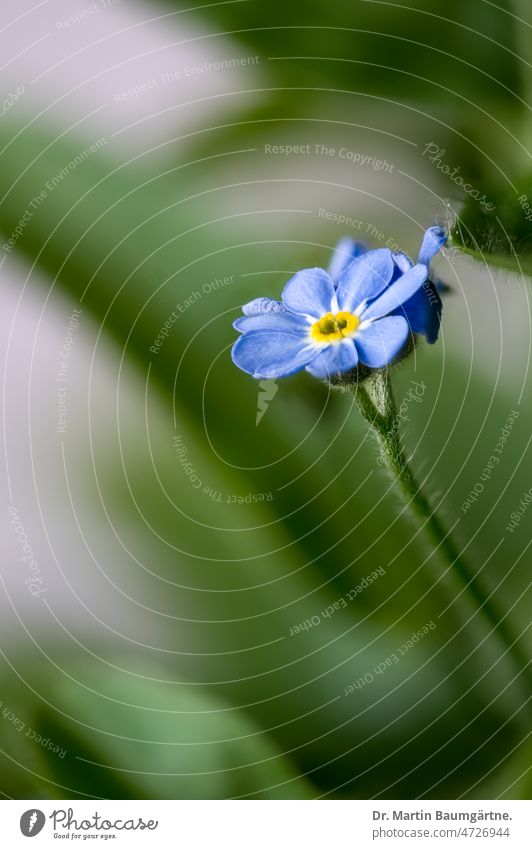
[376, 403]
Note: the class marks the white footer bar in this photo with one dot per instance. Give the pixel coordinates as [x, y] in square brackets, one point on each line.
[267, 824]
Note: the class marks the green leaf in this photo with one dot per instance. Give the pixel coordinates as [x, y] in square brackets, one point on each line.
[124, 729]
[498, 233]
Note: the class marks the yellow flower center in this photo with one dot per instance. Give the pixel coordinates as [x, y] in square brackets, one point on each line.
[334, 328]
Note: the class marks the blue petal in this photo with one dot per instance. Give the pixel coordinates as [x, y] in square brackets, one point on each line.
[397, 294]
[270, 355]
[278, 322]
[403, 262]
[310, 291]
[334, 359]
[344, 253]
[365, 278]
[433, 240]
[262, 305]
[381, 341]
[423, 311]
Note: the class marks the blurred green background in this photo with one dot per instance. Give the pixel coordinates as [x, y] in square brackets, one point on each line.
[159, 658]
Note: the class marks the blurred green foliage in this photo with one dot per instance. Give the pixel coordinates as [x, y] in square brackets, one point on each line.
[446, 69]
[407, 51]
[188, 743]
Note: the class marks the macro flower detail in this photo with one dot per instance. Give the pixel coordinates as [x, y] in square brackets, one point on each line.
[423, 311]
[363, 310]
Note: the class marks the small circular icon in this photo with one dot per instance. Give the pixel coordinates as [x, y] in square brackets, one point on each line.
[32, 822]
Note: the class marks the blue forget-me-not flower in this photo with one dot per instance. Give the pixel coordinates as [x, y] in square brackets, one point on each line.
[363, 310]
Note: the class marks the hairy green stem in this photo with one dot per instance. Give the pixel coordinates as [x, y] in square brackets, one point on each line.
[376, 403]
